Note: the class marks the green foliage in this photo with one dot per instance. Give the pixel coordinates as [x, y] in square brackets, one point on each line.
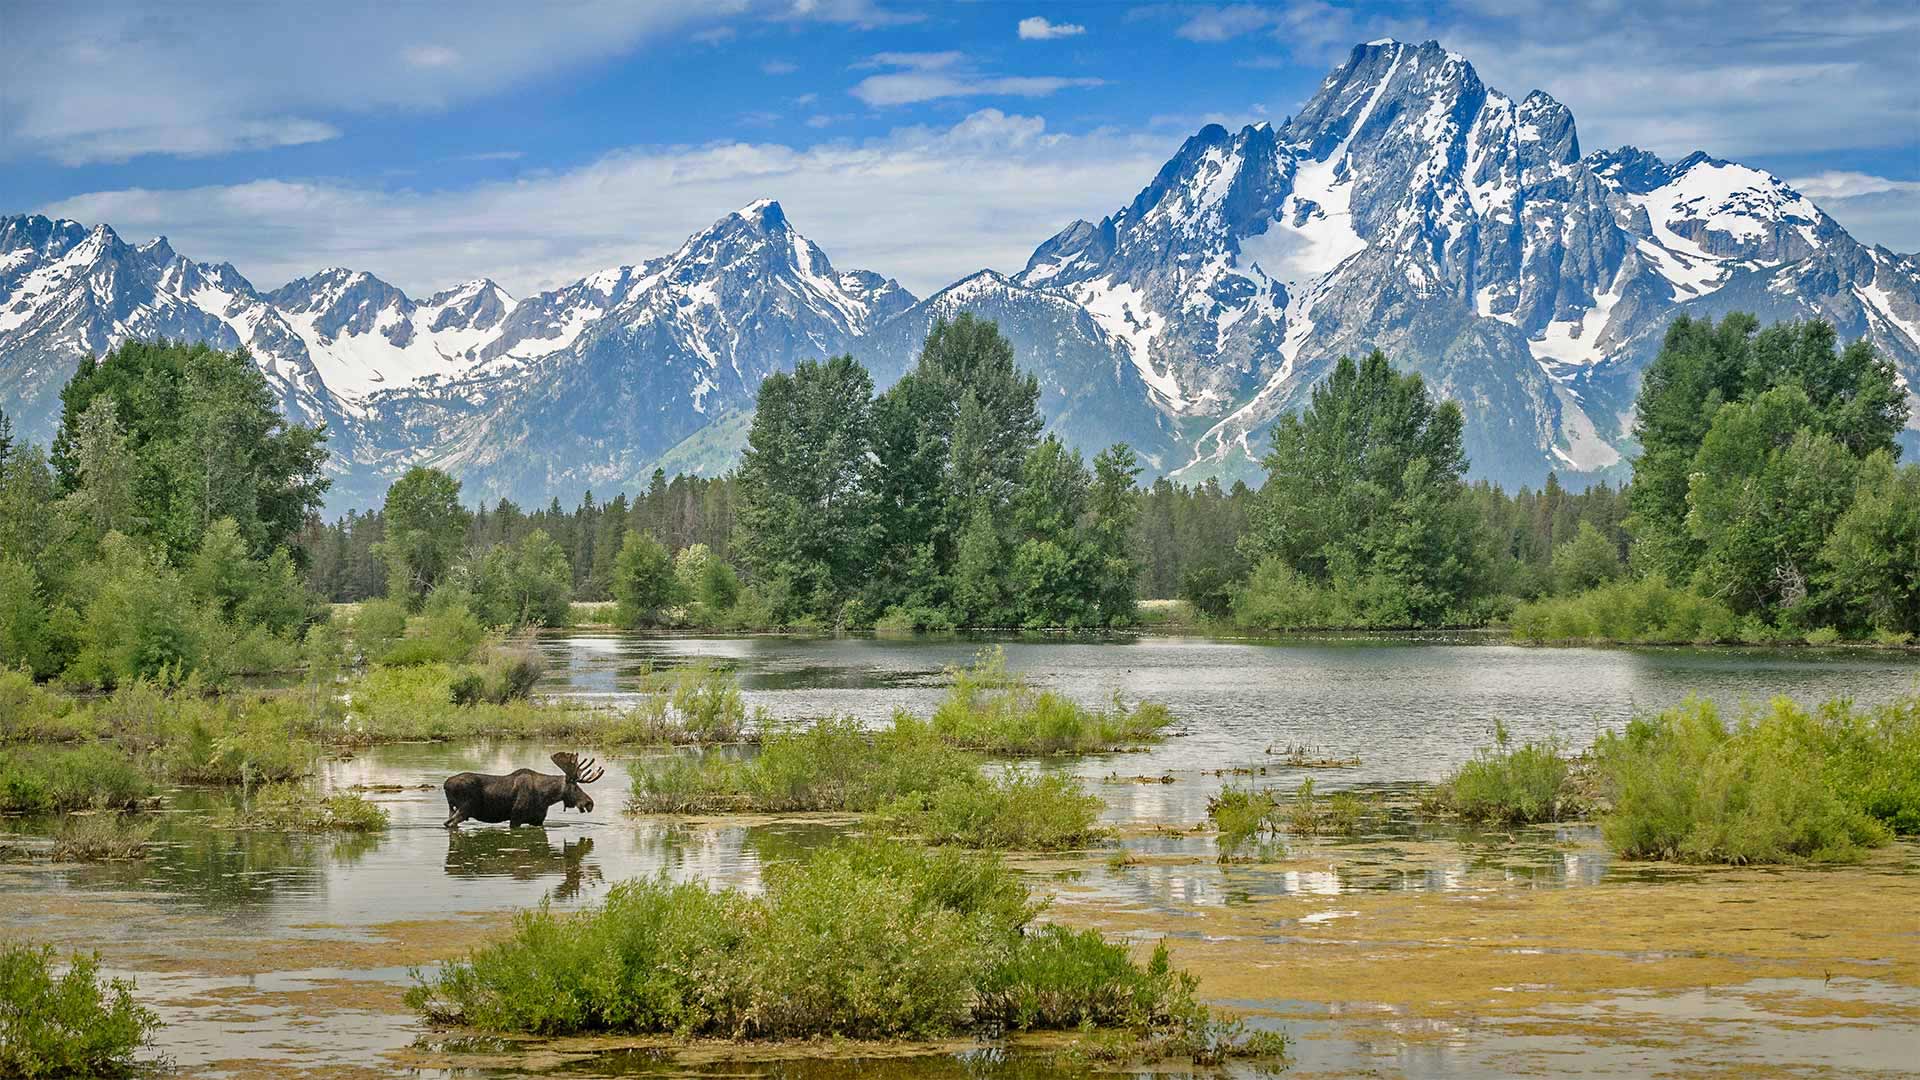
[1241, 815]
[1781, 785]
[527, 583]
[69, 1024]
[193, 435]
[1020, 810]
[300, 808]
[1058, 978]
[40, 779]
[1646, 610]
[992, 710]
[1871, 558]
[861, 940]
[642, 580]
[447, 631]
[378, 626]
[425, 531]
[1509, 785]
[1587, 561]
[508, 673]
[1364, 491]
[1850, 396]
[1278, 597]
[804, 489]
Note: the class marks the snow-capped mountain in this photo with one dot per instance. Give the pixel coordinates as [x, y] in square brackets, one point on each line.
[643, 357]
[1411, 208]
[1407, 207]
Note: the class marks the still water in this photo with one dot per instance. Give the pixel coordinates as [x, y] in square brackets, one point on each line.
[1408, 711]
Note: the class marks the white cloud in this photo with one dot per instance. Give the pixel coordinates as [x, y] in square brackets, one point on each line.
[431, 56]
[779, 67]
[1836, 184]
[917, 61]
[929, 76]
[924, 204]
[1037, 28]
[115, 79]
[1875, 209]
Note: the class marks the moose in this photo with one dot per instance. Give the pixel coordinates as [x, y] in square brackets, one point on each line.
[522, 796]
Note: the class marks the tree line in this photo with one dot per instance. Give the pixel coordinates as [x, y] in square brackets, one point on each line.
[173, 526]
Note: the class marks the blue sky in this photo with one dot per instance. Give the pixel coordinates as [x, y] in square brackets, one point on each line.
[535, 143]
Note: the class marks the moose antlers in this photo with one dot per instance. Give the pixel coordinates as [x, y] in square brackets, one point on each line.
[578, 769]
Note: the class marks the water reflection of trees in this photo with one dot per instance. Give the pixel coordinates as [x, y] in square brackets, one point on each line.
[523, 855]
[224, 868]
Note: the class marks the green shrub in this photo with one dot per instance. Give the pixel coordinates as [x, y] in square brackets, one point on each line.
[1511, 786]
[830, 764]
[1241, 815]
[447, 632]
[1781, 785]
[1343, 813]
[101, 838]
[509, 673]
[1825, 635]
[992, 710]
[1277, 597]
[30, 714]
[1647, 610]
[1018, 811]
[42, 779]
[378, 626]
[70, 1024]
[298, 808]
[1062, 979]
[863, 939]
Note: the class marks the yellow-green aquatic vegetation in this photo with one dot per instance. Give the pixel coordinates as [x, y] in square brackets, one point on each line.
[863, 939]
[995, 711]
[41, 779]
[300, 808]
[1511, 785]
[1779, 785]
[67, 1023]
[101, 838]
[1242, 815]
[1020, 810]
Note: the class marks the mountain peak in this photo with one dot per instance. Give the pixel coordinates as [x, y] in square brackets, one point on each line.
[765, 213]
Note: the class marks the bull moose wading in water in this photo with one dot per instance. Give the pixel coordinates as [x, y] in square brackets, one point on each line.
[522, 796]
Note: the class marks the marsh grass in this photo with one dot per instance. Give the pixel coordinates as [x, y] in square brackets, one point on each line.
[863, 939]
[1512, 785]
[42, 779]
[1243, 815]
[911, 780]
[67, 1023]
[1778, 785]
[992, 710]
[298, 808]
[1018, 810]
[101, 838]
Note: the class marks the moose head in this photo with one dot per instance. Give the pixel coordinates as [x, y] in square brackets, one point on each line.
[577, 771]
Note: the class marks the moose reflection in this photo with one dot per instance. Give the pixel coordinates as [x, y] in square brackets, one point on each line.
[522, 796]
[523, 856]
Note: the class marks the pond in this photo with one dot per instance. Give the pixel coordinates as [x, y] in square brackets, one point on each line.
[1415, 948]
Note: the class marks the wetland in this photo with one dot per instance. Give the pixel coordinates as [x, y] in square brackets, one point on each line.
[1416, 945]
